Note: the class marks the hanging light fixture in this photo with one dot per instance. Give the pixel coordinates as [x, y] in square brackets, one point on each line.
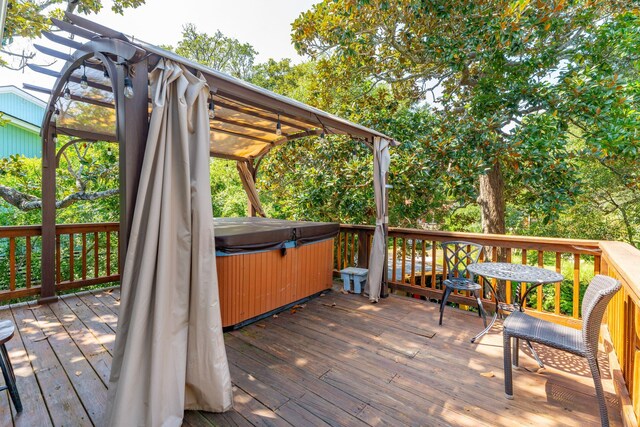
[67, 94]
[128, 87]
[212, 108]
[54, 138]
[84, 83]
[55, 115]
[278, 126]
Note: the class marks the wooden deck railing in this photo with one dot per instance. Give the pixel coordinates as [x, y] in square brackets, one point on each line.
[622, 261]
[416, 265]
[86, 254]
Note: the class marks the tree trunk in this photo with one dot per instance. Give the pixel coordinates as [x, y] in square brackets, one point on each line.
[491, 201]
[492, 205]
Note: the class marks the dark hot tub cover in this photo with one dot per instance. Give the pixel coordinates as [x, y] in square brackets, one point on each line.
[237, 235]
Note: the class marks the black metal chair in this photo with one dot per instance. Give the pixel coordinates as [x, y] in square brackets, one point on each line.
[459, 254]
[579, 342]
[7, 329]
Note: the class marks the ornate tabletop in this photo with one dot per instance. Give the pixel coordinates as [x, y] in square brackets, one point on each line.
[515, 272]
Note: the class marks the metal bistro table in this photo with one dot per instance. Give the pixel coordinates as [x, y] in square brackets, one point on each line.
[518, 273]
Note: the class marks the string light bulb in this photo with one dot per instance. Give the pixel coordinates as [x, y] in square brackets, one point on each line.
[278, 126]
[54, 138]
[128, 88]
[67, 94]
[106, 73]
[84, 82]
[212, 109]
[55, 115]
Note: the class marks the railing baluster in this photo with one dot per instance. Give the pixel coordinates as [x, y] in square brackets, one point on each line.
[494, 258]
[346, 250]
[558, 285]
[403, 266]
[58, 260]
[523, 286]
[508, 285]
[433, 264]
[353, 249]
[423, 282]
[27, 278]
[108, 260]
[539, 290]
[96, 255]
[412, 281]
[118, 249]
[393, 266]
[12, 263]
[445, 267]
[72, 255]
[576, 286]
[84, 256]
[339, 252]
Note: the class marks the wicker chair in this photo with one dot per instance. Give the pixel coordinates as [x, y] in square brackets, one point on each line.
[582, 343]
[458, 255]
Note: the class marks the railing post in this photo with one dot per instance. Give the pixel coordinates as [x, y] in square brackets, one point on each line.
[48, 253]
[363, 249]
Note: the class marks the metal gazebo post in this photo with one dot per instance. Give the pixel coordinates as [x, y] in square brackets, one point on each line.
[384, 289]
[132, 120]
[48, 263]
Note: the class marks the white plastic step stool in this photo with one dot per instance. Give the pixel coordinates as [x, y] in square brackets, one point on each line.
[355, 274]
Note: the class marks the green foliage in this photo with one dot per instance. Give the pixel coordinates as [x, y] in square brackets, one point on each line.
[29, 18]
[228, 196]
[507, 80]
[219, 52]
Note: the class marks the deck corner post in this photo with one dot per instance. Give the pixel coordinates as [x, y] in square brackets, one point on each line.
[48, 253]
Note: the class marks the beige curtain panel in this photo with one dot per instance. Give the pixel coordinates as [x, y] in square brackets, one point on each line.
[378, 256]
[169, 351]
[250, 187]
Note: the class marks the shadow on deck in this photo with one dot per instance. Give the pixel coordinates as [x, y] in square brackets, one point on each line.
[337, 360]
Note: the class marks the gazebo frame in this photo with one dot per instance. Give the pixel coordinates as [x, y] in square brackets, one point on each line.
[126, 62]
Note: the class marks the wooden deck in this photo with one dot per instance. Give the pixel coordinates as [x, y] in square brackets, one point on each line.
[335, 361]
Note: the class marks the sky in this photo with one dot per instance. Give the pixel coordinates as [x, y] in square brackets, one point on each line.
[266, 25]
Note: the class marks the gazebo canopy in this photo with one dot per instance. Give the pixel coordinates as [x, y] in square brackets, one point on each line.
[248, 121]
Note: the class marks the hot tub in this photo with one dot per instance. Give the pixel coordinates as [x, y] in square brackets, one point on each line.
[266, 265]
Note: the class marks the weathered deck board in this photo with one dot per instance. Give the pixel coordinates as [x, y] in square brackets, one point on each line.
[337, 361]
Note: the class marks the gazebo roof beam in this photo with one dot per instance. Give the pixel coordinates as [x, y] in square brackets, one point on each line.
[74, 79]
[75, 30]
[94, 27]
[227, 157]
[52, 52]
[65, 41]
[240, 135]
[259, 115]
[99, 103]
[91, 136]
[242, 124]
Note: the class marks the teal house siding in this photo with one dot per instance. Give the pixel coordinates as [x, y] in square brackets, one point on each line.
[23, 113]
[14, 140]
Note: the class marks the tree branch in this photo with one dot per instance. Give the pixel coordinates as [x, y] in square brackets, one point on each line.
[27, 202]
